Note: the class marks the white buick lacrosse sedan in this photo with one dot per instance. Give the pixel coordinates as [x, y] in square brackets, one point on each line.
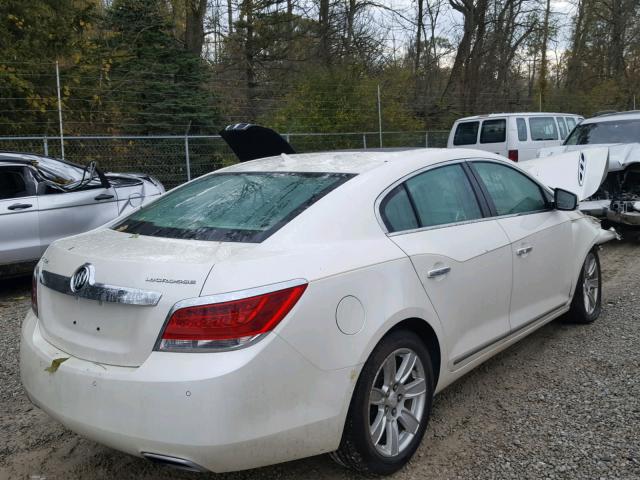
[301, 304]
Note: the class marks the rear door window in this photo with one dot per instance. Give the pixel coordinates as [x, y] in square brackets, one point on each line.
[443, 195]
[14, 183]
[543, 128]
[571, 123]
[466, 133]
[493, 131]
[522, 129]
[563, 128]
[232, 207]
[397, 212]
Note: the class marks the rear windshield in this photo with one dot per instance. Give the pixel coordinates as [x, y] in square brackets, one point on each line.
[232, 207]
[620, 131]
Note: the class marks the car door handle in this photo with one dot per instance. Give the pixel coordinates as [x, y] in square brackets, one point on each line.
[103, 196]
[523, 250]
[438, 272]
[19, 206]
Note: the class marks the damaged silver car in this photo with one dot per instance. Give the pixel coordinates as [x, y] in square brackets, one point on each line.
[43, 199]
[617, 198]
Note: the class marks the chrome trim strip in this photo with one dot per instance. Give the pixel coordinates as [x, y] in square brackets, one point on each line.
[454, 224]
[221, 298]
[510, 333]
[100, 291]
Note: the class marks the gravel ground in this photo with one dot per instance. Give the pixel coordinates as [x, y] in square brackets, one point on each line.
[563, 403]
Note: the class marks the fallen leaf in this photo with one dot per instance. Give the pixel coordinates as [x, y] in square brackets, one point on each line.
[55, 364]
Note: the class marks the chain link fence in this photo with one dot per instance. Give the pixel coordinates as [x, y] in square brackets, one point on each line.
[175, 159]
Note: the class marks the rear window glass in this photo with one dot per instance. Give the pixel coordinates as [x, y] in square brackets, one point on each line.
[563, 128]
[493, 131]
[522, 129]
[543, 128]
[466, 133]
[232, 207]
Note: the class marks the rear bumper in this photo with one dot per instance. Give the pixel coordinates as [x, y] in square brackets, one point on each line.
[223, 411]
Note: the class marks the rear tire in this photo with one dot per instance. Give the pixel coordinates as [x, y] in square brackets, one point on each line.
[587, 299]
[390, 407]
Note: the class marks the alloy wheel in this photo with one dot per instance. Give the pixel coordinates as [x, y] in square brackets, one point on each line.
[397, 402]
[590, 284]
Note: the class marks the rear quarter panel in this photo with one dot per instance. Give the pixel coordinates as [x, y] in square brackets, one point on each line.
[376, 272]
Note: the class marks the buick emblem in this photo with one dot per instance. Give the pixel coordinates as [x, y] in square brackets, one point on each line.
[82, 277]
[582, 167]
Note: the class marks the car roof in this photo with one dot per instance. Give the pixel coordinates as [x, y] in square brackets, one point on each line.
[358, 162]
[19, 157]
[518, 114]
[610, 117]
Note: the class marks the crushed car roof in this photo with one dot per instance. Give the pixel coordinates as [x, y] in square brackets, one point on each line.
[20, 157]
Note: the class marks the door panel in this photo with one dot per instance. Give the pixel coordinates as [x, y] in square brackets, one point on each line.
[541, 244]
[540, 239]
[19, 236]
[66, 214]
[472, 298]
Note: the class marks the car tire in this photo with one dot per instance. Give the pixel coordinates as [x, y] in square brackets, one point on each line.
[392, 396]
[587, 299]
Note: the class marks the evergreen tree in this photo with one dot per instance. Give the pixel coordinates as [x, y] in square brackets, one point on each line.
[159, 86]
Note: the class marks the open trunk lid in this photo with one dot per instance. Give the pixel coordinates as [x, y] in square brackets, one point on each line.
[115, 317]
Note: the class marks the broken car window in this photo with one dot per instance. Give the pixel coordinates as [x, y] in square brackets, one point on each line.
[232, 207]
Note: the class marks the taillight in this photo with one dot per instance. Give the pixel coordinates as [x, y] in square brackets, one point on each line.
[34, 291]
[230, 324]
[513, 155]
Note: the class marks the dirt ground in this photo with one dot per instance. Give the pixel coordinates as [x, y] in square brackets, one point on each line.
[563, 403]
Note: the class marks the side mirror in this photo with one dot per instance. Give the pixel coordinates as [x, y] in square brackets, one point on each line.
[564, 200]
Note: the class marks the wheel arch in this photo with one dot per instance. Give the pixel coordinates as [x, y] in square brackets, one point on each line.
[585, 239]
[427, 334]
